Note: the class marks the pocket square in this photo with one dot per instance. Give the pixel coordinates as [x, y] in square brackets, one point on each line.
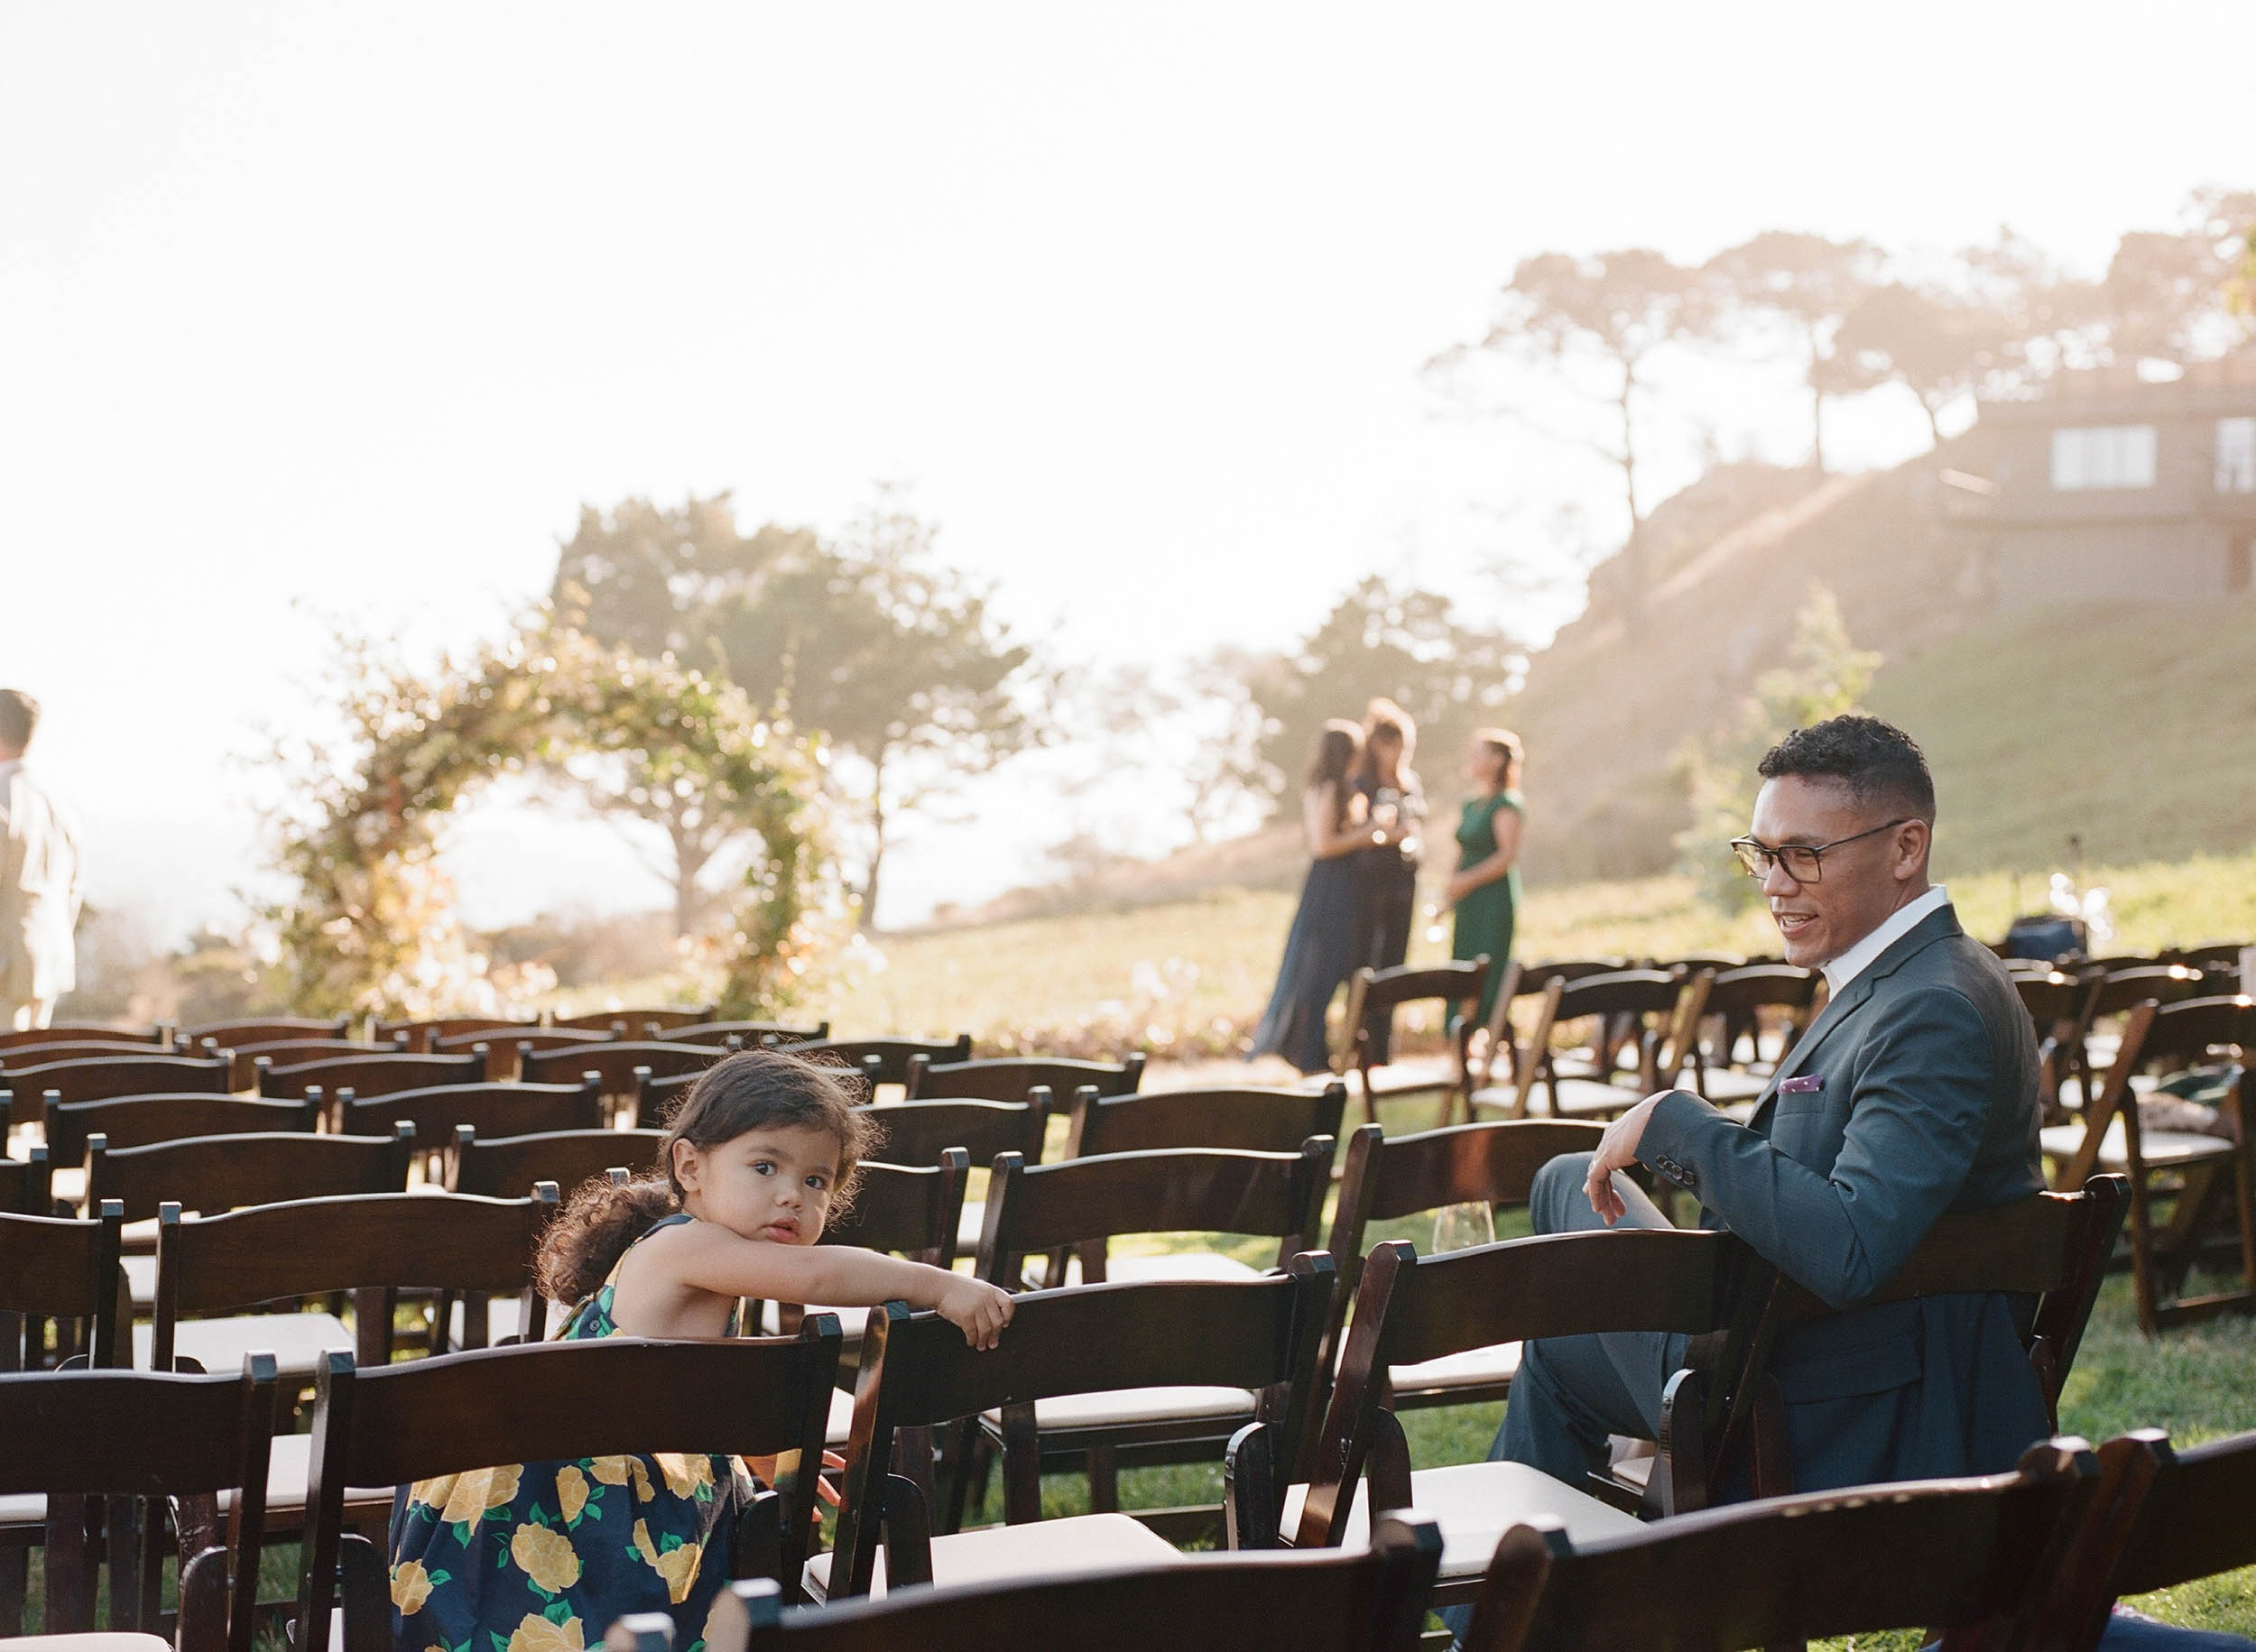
[1807, 1084]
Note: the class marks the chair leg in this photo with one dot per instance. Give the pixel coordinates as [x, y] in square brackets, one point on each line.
[1104, 1480]
[16, 1581]
[2141, 1256]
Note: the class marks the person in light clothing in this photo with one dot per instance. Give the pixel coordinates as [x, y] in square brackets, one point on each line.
[39, 881]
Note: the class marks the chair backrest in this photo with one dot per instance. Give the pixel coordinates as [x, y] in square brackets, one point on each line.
[2194, 1028]
[217, 1173]
[662, 1018]
[376, 1244]
[893, 1054]
[88, 1080]
[64, 1270]
[136, 1435]
[504, 1049]
[750, 1032]
[1762, 986]
[378, 1073]
[1371, 1600]
[1974, 1556]
[2115, 991]
[912, 1210]
[1411, 1308]
[2053, 1246]
[1253, 1121]
[2152, 1032]
[26, 1184]
[270, 1030]
[918, 1132]
[290, 1052]
[1037, 1208]
[1382, 992]
[615, 1063]
[68, 1050]
[84, 1032]
[1010, 1078]
[421, 1035]
[917, 1372]
[2054, 1001]
[394, 1424]
[507, 1167]
[136, 1121]
[1669, 1005]
[492, 1109]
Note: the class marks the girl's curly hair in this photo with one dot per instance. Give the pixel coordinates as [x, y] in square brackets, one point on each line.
[746, 1091]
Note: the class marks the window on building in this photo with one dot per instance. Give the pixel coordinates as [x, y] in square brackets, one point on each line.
[2103, 456]
[2236, 456]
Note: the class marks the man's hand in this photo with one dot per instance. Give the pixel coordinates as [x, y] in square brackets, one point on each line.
[1617, 1150]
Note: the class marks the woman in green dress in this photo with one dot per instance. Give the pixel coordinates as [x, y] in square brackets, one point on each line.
[1485, 891]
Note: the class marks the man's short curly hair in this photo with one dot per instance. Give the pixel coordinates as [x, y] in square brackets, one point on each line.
[1876, 760]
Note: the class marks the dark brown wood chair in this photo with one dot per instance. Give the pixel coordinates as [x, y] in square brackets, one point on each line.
[491, 1109]
[1665, 1011]
[2162, 1517]
[639, 1023]
[1369, 1601]
[1499, 1038]
[68, 1049]
[85, 1032]
[2110, 995]
[1009, 1078]
[2204, 1174]
[270, 1030]
[1973, 1558]
[1389, 1179]
[893, 1054]
[377, 1072]
[750, 1035]
[396, 1423]
[1374, 995]
[1251, 1119]
[137, 1121]
[26, 1185]
[619, 1066]
[507, 1167]
[1736, 1001]
[504, 1049]
[421, 1035]
[1073, 1347]
[290, 1052]
[2055, 1003]
[87, 1080]
[1409, 1310]
[157, 1450]
[919, 1132]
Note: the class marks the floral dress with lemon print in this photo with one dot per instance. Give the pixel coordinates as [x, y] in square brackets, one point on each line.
[545, 1557]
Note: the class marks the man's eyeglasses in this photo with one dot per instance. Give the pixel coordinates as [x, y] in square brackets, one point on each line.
[1803, 863]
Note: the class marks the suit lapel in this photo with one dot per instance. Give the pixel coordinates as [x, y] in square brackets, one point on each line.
[1941, 922]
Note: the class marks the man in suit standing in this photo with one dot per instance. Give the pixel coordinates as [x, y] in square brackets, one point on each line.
[1913, 1094]
[39, 881]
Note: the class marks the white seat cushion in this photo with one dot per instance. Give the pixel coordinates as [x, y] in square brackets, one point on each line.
[2155, 1146]
[1476, 1504]
[1496, 1096]
[504, 1317]
[840, 1427]
[1407, 1078]
[140, 1279]
[22, 1509]
[1121, 1407]
[297, 1342]
[1042, 1548]
[1472, 1368]
[1171, 1267]
[289, 1466]
[968, 1229]
[98, 1641]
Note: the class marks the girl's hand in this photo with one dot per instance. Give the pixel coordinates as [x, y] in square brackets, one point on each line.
[977, 1307]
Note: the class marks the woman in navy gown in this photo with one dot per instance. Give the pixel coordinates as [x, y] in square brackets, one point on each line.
[1320, 952]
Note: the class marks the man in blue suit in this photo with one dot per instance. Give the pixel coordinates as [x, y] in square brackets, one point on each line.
[1914, 1092]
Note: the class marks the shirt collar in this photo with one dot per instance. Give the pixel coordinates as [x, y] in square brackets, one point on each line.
[1839, 972]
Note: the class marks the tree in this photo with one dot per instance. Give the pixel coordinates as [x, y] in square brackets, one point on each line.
[1196, 732]
[1825, 675]
[2166, 293]
[1407, 645]
[1938, 347]
[1597, 322]
[893, 658]
[1807, 285]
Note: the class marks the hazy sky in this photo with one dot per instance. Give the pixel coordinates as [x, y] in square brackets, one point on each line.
[314, 312]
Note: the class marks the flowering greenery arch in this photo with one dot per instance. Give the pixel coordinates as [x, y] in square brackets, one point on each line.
[371, 928]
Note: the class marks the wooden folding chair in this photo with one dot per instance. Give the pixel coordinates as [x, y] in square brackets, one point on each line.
[1736, 999]
[2055, 1003]
[2204, 1171]
[1665, 1009]
[1249, 1119]
[1075, 1208]
[1011, 1079]
[1072, 1346]
[1709, 1287]
[270, 1030]
[2112, 990]
[1973, 1558]
[136, 1121]
[1524, 981]
[1369, 1601]
[421, 1035]
[26, 1185]
[377, 1072]
[619, 1066]
[249, 1059]
[507, 1167]
[893, 1054]
[2162, 1517]
[504, 1050]
[83, 1032]
[639, 1023]
[491, 1109]
[156, 1449]
[1374, 995]
[93, 1079]
[1389, 1179]
[559, 1402]
[751, 1033]
[919, 1132]
[68, 1050]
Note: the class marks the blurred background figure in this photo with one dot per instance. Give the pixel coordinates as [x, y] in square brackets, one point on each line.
[1484, 892]
[39, 881]
[1321, 950]
[1387, 867]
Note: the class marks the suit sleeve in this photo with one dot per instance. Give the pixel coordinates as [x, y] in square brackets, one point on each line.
[1918, 1109]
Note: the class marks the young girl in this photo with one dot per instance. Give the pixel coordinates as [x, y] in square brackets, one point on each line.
[544, 1557]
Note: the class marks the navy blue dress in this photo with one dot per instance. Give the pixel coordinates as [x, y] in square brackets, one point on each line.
[1319, 956]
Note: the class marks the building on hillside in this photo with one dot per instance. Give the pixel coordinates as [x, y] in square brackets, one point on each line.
[2109, 486]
